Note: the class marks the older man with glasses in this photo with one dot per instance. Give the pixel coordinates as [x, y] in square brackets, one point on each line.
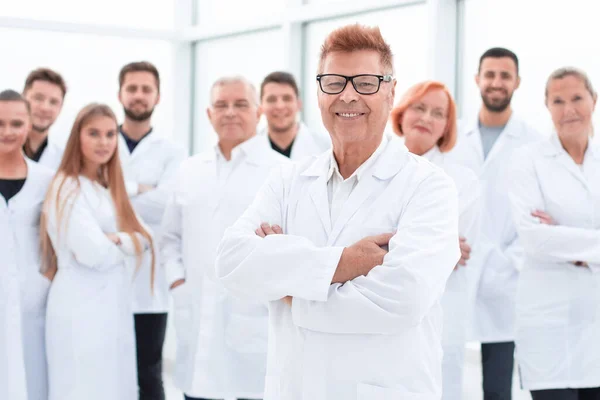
[351, 249]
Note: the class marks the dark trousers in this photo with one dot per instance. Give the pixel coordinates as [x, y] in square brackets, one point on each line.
[150, 332]
[566, 394]
[200, 398]
[497, 361]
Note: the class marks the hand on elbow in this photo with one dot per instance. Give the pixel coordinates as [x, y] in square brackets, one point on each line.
[113, 237]
[465, 252]
[360, 258]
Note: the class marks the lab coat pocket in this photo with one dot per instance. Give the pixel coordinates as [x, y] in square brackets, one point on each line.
[372, 392]
[247, 334]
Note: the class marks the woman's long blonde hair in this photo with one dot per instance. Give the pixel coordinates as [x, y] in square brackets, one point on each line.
[110, 175]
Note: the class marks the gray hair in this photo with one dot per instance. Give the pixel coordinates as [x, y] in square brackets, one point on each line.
[228, 80]
[563, 72]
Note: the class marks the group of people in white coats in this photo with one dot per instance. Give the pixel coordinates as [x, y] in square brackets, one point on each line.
[358, 272]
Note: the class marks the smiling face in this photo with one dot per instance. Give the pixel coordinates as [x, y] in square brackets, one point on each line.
[281, 105]
[14, 126]
[234, 113]
[139, 95]
[350, 117]
[98, 141]
[425, 121]
[46, 100]
[571, 106]
[497, 81]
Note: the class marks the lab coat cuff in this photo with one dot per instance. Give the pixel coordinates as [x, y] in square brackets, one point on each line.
[324, 274]
[132, 188]
[127, 246]
[174, 271]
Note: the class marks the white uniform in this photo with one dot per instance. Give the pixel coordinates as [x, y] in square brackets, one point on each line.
[89, 330]
[461, 287]
[52, 155]
[222, 339]
[23, 317]
[154, 161]
[558, 304]
[377, 336]
[498, 252]
[306, 143]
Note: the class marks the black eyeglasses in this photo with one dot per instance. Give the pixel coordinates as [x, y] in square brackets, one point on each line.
[363, 84]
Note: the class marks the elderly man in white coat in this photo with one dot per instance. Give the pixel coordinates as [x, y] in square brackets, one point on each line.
[486, 146]
[281, 104]
[222, 338]
[352, 249]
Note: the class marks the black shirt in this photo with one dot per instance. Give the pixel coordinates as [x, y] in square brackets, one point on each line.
[38, 154]
[10, 187]
[286, 152]
[132, 144]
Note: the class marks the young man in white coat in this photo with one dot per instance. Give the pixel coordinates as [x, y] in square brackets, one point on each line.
[45, 90]
[149, 164]
[222, 338]
[281, 104]
[352, 249]
[486, 145]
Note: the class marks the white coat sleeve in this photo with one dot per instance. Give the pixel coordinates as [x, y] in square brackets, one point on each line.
[399, 293]
[151, 205]
[551, 243]
[171, 240]
[276, 266]
[81, 233]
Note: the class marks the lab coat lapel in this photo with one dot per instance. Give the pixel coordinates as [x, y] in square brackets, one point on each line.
[143, 146]
[372, 182]
[566, 161]
[473, 140]
[317, 190]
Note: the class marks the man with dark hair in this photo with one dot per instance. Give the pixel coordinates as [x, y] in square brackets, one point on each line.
[486, 145]
[45, 91]
[149, 164]
[280, 103]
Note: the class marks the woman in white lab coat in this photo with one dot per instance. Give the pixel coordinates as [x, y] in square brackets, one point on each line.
[23, 290]
[555, 197]
[93, 234]
[426, 118]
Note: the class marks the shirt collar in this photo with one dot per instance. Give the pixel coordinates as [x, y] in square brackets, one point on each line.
[334, 168]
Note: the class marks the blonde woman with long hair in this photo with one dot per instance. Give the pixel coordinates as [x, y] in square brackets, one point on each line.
[92, 235]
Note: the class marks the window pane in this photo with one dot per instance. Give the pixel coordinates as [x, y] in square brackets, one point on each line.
[541, 48]
[229, 13]
[397, 25]
[158, 14]
[252, 56]
[90, 66]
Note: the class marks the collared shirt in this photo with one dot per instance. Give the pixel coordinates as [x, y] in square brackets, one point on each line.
[285, 152]
[38, 154]
[238, 154]
[340, 189]
[132, 144]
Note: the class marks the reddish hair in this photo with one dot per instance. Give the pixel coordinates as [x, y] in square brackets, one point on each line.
[415, 93]
[357, 37]
[110, 176]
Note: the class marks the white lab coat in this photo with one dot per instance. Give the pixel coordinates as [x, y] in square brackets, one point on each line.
[461, 286]
[23, 317]
[222, 339]
[498, 251]
[377, 336]
[89, 330]
[558, 304]
[154, 161]
[306, 143]
[52, 155]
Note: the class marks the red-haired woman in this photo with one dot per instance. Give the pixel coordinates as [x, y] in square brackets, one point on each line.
[426, 118]
[92, 234]
[23, 290]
